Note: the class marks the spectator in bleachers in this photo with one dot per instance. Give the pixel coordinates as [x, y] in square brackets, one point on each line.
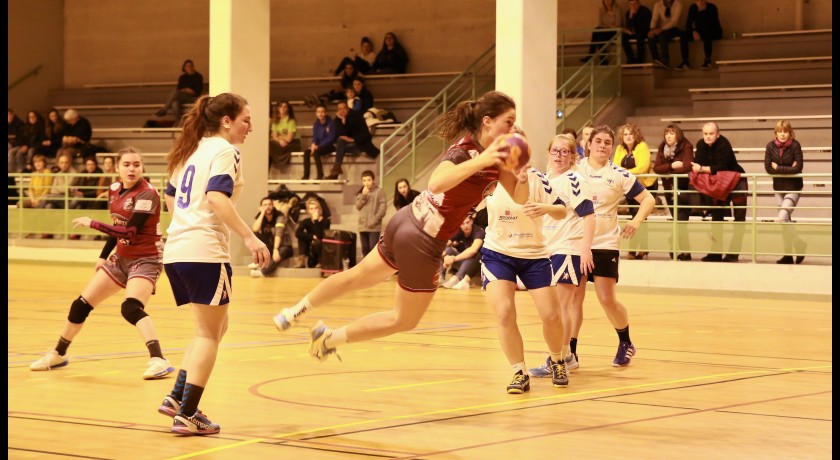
[284, 138]
[31, 136]
[353, 100]
[663, 29]
[392, 58]
[352, 135]
[583, 141]
[310, 233]
[86, 188]
[362, 60]
[15, 126]
[714, 154]
[53, 134]
[462, 254]
[783, 155]
[323, 142]
[56, 198]
[336, 94]
[364, 94]
[39, 184]
[674, 156]
[106, 180]
[703, 25]
[189, 88]
[270, 227]
[77, 134]
[633, 154]
[636, 26]
[403, 193]
[609, 17]
[370, 202]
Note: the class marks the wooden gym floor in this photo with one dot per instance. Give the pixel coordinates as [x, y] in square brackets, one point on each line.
[717, 375]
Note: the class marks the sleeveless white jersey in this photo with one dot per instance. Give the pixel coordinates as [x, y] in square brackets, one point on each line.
[605, 187]
[565, 236]
[196, 233]
[509, 230]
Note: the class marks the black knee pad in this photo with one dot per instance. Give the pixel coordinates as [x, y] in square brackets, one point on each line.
[132, 310]
[79, 311]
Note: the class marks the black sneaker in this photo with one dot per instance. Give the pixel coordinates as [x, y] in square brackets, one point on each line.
[559, 378]
[712, 258]
[730, 258]
[520, 384]
[682, 66]
[706, 65]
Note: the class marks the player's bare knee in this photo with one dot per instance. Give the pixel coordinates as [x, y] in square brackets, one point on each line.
[132, 310]
[79, 311]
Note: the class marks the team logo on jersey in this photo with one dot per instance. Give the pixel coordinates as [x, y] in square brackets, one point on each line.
[115, 186]
[473, 153]
[610, 182]
[507, 216]
[143, 205]
[129, 204]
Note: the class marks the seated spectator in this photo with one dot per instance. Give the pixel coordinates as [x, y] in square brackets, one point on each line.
[362, 60]
[363, 93]
[323, 142]
[674, 156]
[39, 184]
[56, 198]
[325, 208]
[609, 17]
[336, 94]
[583, 142]
[189, 88]
[702, 24]
[712, 155]
[15, 126]
[310, 233]
[284, 138]
[370, 202]
[86, 188]
[352, 135]
[105, 181]
[77, 134]
[353, 101]
[270, 227]
[53, 135]
[392, 58]
[636, 26]
[463, 254]
[31, 136]
[663, 29]
[403, 194]
[633, 154]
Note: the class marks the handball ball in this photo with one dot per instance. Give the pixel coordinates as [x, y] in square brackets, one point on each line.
[519, 152]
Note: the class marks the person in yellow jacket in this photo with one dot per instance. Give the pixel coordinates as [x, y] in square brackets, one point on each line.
[633, 154]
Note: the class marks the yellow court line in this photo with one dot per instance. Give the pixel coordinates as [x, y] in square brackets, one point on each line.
[414, 385]
[496, 404]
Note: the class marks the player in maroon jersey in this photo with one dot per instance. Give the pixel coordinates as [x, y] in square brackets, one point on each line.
[414, 239]
[136, 266]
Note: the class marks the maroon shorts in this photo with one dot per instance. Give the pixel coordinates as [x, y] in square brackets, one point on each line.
[411, 251]
[121, 269]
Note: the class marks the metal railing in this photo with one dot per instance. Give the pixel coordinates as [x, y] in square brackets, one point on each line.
[25, 76]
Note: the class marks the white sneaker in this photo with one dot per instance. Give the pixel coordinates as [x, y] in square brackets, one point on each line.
[253, 266]
[51, 360]
[158, 368]
[452, 281]
[256, 273]
[463, 284]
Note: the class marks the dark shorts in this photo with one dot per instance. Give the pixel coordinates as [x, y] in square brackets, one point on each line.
[121, 269]
[534, 273]
[566, 269]
[606, 264]
[200, 282]
[411, 251]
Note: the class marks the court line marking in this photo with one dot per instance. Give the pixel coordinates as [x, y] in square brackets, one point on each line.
[414, 385]
[488, 405]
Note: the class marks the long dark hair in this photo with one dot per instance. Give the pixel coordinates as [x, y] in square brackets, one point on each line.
[399, 200]
[204, 119]
[467, 115]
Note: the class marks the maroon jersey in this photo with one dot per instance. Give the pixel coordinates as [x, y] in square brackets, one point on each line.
[142, 198]
[441, 214]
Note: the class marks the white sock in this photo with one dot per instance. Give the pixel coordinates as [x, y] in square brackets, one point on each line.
[556, 357]
[337, 337]
[301, 307]
[519, 367]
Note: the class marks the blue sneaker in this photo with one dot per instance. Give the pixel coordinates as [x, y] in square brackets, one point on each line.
[559, 377]
[542, 371]
[520, 384]
[625, 352]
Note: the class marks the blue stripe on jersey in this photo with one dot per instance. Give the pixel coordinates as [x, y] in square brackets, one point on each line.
[636, 190]
[170, 190]
[222, 183]
[585, 208]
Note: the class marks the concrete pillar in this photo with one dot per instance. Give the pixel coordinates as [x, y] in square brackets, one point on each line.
[239, 63]
[798, 17]
[526, 68]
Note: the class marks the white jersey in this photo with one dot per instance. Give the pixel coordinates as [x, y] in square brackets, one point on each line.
[605, 186]
[196, 233]
[509, 230]
[565, 236]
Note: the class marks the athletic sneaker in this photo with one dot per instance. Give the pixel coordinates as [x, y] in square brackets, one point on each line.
[542, 371]
[285, 319]
[520, 384]
[158, 368]
[171, 406]
[683, 66]
[253, 266]
[318, 337]
[452, 281]
[572, 362]
[197, 424]
[256, 273]
[559, 378]
[50, 361]
[625, 352]
[463, 284]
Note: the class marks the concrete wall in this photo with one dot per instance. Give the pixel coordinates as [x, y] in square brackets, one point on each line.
[36, 37]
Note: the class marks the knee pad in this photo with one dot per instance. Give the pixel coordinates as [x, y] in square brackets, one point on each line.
[79, 311]
[132, 310]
